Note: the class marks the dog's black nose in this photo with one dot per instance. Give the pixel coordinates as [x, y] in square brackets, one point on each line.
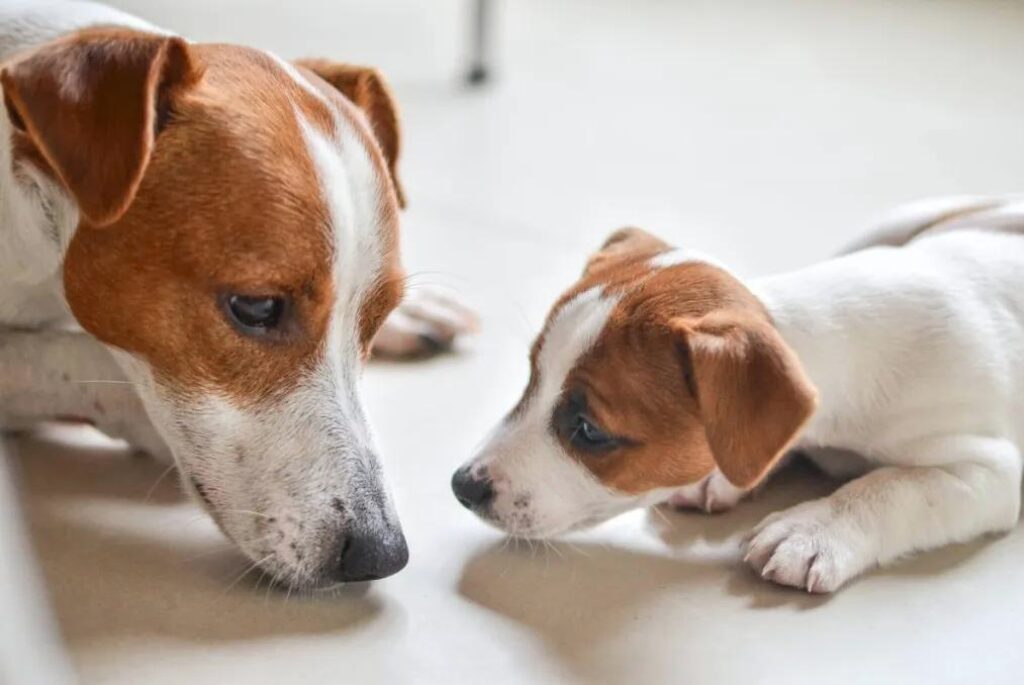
[472, 492]
[369, 557]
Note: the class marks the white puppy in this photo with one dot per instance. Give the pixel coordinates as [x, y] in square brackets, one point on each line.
[662, 377]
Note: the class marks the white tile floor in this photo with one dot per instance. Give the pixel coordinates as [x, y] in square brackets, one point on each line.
[764, 136]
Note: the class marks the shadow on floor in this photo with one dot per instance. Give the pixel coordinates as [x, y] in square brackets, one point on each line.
[578, 596]
[168, 572]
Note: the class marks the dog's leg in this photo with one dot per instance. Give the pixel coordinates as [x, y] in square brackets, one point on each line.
[67, 375]
[426, 322]
[712, 494]
[891, 512]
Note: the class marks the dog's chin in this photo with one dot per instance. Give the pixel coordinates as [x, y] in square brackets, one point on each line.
[287, 578]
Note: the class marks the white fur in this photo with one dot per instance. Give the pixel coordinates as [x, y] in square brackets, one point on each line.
[918, 355]
[682, 256]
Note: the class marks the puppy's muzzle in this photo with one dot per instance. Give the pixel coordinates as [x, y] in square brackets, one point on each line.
[475, 492]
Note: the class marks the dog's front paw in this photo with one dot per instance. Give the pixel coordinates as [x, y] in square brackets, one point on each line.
[808, 546]
[427, 322]
[713, 494]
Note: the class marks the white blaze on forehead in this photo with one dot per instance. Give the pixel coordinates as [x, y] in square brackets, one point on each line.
[681, 256]
[570, 335]
[351, 190]
[299, 79]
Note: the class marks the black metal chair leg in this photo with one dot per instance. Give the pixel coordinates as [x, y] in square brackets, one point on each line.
[480, 40]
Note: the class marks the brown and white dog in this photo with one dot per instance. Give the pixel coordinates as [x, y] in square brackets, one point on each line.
[662, 377]
[224, 226]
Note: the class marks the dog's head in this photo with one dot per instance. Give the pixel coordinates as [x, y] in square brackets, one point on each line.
[237, 246]
[656, 368]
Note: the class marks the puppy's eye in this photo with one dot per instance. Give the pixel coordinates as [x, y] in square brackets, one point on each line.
[255, 314]
[587, 435]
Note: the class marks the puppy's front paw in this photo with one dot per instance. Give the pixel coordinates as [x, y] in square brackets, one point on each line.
[426, 322]
[808, 547]
[713, 494]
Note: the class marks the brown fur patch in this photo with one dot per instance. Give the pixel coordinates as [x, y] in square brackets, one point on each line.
[688, 370]
[228, 202]
[90, 103]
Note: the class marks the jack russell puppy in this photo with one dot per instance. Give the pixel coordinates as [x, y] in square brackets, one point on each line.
[223, 225]
[662, 377]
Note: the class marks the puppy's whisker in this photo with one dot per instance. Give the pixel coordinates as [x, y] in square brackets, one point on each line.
[554, 548]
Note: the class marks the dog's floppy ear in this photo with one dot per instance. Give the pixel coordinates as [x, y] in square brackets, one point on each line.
[752, 394]
[90, 106]
[368, 91]
[625, 242]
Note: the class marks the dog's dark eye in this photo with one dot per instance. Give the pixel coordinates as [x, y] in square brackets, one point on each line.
[254, 314]
[585, 434]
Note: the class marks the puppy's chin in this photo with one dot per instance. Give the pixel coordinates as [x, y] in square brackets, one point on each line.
[541, 528]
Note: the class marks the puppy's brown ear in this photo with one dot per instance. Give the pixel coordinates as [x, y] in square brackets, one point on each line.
[625, 242]
[368, 91]
[89, 106]
[752, 394]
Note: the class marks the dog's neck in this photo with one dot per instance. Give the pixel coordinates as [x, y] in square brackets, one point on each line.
[37, 222]
[37, 217]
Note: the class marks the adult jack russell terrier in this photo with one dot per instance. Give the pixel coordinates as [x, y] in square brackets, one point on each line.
[224, 226]
[660, 376]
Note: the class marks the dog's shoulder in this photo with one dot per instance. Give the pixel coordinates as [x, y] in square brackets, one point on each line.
[26, 23]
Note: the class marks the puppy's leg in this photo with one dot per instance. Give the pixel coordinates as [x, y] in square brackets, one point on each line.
[426, 322]
[68, 375]
[891, 512]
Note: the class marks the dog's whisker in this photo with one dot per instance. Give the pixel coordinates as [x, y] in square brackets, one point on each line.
[661, 514]
[105, 382]
[246, 511]
[153, 487]
[247, 571]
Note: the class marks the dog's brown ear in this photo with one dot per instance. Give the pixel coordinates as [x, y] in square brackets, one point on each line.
[752, 394]
[368, 91]
[625, 242]
[89, 107]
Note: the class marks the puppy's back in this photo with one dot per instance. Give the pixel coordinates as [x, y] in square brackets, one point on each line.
[903, 224]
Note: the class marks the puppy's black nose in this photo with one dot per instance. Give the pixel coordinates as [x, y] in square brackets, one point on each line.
[369, 557]
[472, 492]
